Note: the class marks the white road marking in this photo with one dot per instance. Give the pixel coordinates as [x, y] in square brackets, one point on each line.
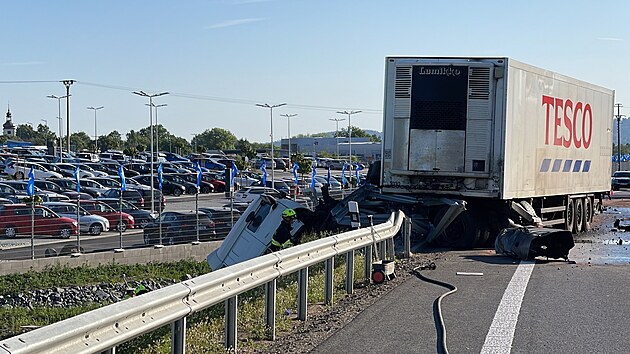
[501, 332]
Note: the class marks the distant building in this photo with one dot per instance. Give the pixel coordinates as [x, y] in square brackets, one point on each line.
[8, 128]
[363, 148]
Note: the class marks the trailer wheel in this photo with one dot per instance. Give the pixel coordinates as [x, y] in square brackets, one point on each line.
[588, 214]
[569, 216]
[461, 233]
[579, 215]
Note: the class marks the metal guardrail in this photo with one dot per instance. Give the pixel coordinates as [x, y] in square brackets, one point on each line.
[101, 330]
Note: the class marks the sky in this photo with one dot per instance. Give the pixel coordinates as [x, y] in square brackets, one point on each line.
[219, 58]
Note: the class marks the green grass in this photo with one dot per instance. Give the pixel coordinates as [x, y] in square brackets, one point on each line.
[205, 329]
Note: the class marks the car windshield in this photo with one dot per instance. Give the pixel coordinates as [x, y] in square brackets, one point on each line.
[622, 174]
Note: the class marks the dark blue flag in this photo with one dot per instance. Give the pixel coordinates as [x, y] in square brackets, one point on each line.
[160, 180]
[121, 174]
[263, 168]
[30, 186]
[199, 174]
[343, 174]
[77, 172]
[295, 169]
[234, 173]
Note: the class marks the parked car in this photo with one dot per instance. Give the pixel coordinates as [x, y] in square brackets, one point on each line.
[620, 179]
[15, 220]
[88, 167]
[141, 217]
[70, 168]
[8, 192]
[247, 195]
[106, 182]
[92, 224]
[179, 227]
[279, 185]
[204, 187]
[45, 195]
[113, 216]
[168, 187]
[191, 187]
[92, 187]
[223, 218]
[21, 169]
[140, 196]
[50, 166]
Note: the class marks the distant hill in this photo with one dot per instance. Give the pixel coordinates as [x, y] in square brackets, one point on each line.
[624, 128]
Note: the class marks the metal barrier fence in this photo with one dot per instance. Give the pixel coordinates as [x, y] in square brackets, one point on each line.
[101, 330]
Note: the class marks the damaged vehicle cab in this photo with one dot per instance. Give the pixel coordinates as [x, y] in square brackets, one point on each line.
[252, 233]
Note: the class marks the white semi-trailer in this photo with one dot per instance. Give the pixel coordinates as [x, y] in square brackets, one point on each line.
[482, 141]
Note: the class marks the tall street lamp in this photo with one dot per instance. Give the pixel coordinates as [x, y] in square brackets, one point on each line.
[144, 94]
[95, 132]
[337, 120]
[289, 116]
[271, 107]
[59, 98]
[67, 84]
[350, 113]
[157, 127]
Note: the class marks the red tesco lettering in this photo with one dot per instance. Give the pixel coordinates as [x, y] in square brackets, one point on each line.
[566, 118]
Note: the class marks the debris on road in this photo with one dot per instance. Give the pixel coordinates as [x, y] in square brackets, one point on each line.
[530, 242]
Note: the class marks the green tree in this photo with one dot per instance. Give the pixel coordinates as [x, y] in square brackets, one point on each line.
[111, 141]
[216, 139]
[25, 132]
[304, 165]
[246, 148]
[356, 133]
[81, 141]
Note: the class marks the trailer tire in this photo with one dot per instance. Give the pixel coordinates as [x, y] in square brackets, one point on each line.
[569, 216]
[579, 215]
[588, 214]
[461, 233]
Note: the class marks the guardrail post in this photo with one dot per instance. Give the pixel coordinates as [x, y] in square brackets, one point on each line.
[328, 281]
[178, 336]
[231, 312]
[302, 293]
[367, 268]
[382, 251]
[406, 231]
[350, 272]
[270, 309]
[391, 251]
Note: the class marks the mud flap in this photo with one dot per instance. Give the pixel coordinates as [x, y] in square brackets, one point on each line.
[530, 242]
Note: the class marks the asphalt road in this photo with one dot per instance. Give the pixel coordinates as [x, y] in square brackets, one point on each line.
[566, 307]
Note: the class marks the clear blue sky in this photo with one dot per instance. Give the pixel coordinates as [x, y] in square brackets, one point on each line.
[218, 58]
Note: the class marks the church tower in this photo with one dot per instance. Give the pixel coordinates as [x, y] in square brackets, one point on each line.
[8, 128]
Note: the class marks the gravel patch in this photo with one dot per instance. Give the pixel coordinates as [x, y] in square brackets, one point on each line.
[323, 321]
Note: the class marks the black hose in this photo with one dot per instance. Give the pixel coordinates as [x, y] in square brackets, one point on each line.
[437, 306]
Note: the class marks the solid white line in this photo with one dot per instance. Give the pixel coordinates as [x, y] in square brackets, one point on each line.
[501, 332]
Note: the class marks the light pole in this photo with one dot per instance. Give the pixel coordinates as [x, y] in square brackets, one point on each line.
[46, 136]
[191, 142]
[67, 84]
[271, 107]
[337, 120]
[59, 98]
[144, 94]
[95, 132]
[349, 134]
[289, 116]
[157, 127]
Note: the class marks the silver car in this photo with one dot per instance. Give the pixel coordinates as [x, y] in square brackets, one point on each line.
[92, 224]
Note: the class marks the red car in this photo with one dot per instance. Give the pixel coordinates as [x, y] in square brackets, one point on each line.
[15, 219]
[113, 216]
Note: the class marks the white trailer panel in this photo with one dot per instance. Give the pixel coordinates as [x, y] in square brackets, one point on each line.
[494, 128]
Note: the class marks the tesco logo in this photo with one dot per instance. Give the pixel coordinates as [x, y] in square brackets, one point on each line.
[571, 123]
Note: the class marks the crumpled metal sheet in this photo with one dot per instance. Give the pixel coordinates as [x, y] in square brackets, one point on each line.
[531, 242]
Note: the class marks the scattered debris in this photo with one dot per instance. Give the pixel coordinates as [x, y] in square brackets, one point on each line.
[470, 273]
[531, 242]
